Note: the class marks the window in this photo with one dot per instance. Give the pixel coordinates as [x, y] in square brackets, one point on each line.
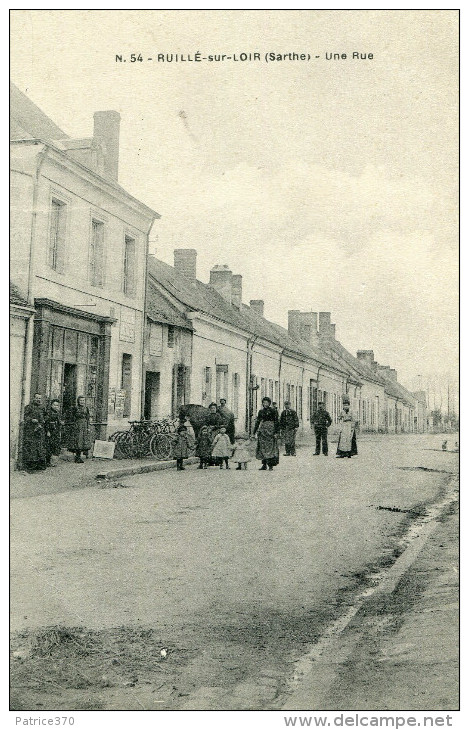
[126, 382]
[129, 266]
[170, 335]
[155, 339]
[58, 222]
[300, 402]
[97, 253]
[207, 386]
[222, 382]
[271, 390]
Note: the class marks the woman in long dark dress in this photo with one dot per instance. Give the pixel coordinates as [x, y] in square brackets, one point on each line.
[53, 426]
[267, 427]
[213, 421]
[34, 436]
[80, 440]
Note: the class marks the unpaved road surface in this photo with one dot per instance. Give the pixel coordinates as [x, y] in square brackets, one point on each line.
[232, 575]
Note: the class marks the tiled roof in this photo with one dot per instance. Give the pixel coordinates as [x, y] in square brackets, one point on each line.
[396, 390]
[15, 296]
[200, 297]
[359, 369]
[159, 309]
[27, 121]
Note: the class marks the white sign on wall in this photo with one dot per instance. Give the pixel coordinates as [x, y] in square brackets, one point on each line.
[127, 325]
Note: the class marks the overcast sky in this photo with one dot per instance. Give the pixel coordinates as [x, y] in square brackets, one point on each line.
[329, 185]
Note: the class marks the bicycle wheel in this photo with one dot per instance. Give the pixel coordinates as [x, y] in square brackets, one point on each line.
[141, 445]
[125, 443]
[160, 446]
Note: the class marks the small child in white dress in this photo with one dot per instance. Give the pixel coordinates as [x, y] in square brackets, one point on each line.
[221, 448]
[241, 453]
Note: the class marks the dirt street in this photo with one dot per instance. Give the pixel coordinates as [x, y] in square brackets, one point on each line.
[201, 589]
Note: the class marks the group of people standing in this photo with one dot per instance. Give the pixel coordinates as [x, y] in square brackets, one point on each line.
[215, 443]
[43, 433]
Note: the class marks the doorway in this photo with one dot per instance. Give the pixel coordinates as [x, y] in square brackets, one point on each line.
[69, 386]
[152, 394]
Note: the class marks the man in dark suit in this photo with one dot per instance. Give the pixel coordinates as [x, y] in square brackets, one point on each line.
[321, 422]
[288, 425]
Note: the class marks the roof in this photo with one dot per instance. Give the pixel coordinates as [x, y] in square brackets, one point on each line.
[358, 366]
[199, 297]
[395, 389]
[159, 309]
[27, 121]
[15, 296]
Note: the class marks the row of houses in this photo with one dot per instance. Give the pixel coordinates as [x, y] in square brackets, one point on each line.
[204, 343]
[93, 314]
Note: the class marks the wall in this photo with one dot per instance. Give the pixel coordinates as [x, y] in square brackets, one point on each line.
[218, 344]
[372, 407]
[177, 354]
[23, 164]
[86, 197]
[18, 324]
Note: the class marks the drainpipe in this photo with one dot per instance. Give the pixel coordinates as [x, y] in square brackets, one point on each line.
[28, 345]
[249, 348]
[143, 367]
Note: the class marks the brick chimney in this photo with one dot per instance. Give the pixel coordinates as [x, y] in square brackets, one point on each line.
[220, 279]
[185, 262]
[324, 323]
[366, 356]
[294, 323]
[257, 306]
[393, 374]
[106, 133]
[309, 327]
[237, 290]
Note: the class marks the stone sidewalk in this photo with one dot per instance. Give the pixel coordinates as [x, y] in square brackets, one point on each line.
[401, 650]
[68, 475]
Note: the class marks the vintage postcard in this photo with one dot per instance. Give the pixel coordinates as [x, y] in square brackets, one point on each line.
[234, 247]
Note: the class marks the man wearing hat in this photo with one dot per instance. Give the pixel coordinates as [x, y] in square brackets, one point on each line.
[289, 423]
[321, 422]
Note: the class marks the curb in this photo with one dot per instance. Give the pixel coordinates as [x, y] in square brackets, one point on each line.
[316, 671]
[142, 469]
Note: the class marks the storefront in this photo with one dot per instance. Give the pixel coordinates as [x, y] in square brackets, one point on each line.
[71, 358]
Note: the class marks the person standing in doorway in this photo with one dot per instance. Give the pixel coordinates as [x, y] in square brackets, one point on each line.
[34, 436]
[80, 440]
[289, 423]
[321, 422]
[53, 426]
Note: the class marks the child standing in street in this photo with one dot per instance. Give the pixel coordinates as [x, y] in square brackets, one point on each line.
[241, 453]
[204, 447]
[222, 448]
[181, 447]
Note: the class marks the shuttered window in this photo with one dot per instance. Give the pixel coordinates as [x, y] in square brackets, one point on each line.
[236, 383]
[97, 253]
[129, 283]
[58, 221]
